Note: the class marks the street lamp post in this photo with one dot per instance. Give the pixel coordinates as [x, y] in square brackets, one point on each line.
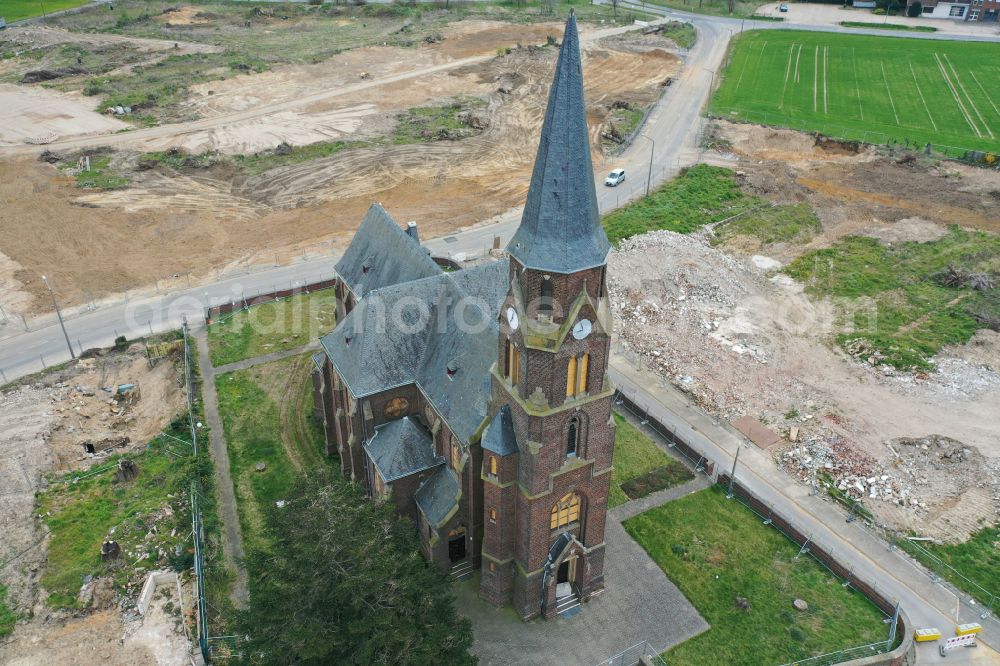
[69, 345]
[652, 151]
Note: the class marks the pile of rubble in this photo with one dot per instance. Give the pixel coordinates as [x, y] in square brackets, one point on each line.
[928, 478]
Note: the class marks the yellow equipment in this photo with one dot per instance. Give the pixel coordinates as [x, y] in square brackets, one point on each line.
[966, 629]
[928, 634]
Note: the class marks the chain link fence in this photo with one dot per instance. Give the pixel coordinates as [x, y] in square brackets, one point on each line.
[634, 655]
[807, 545]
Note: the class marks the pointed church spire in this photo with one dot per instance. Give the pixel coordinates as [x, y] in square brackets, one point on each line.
[561, 226]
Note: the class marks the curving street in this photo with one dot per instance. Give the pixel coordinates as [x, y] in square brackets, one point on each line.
[669, 141]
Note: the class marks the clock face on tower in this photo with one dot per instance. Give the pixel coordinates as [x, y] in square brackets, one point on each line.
[582, 329]
[512, 318]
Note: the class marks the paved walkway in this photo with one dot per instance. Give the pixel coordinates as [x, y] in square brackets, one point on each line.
[232, 545]
[639, 603]
[925, 602]
[623, 512]
[266, 358]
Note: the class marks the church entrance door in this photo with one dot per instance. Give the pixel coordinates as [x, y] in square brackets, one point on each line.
[567, 571]
[456, 545]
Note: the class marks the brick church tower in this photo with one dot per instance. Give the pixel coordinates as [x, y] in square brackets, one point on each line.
[548, 446]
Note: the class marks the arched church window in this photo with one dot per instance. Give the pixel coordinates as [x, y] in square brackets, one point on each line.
[576, 375]
[572, 436]
[545, 304]
[565, 511]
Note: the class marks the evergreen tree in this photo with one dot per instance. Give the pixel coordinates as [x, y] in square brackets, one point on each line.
[343, 581]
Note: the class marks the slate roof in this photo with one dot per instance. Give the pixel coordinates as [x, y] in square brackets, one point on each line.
[438, 495]
[382, 254]
[400, 448]
[561, 225]
[440, 333]
[499, 436]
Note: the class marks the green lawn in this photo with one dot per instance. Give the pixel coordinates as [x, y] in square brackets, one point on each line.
[978, 559]
[698, 196]
[716, 550]
[15, 10]
[271, 327]
[266, 413]
[81, 514]
[860, 87]
[640, 461]
[894, 296]
[705, 194]
[796, 223]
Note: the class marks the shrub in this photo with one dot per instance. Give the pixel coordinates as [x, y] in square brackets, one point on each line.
[915, 10]
[121, 342]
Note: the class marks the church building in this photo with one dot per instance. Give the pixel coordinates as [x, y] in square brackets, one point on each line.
[477, 401]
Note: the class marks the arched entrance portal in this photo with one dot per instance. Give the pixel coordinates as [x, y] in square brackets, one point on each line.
[456, 545]
[567, 571]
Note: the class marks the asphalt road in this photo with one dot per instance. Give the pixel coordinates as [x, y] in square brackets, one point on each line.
[672, 129]
[671, 137]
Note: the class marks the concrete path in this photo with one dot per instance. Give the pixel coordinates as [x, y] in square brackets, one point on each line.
[232, 545]
[623, 512]
[639, 603]
[926, 602]
[266, 358]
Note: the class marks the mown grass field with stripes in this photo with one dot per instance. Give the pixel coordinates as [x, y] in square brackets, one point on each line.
[875, 89]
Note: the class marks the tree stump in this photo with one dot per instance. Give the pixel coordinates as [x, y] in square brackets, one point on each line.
[110, 550]
[127, 470]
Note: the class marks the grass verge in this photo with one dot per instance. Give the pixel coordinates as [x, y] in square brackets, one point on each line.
[716, 550]
[888, 26]
[977, 559]
[705, 194]
[640, 465]
[898, 303]
[267, 415]
[272, 327]
[101, 175]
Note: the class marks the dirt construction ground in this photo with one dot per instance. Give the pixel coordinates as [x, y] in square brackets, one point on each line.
[43, 426]
[741, 339]
[198, 221]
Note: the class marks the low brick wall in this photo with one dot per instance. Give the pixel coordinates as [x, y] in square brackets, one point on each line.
[212, 313]
[905, 654]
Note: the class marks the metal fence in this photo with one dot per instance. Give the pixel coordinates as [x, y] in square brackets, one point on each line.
[210, 646]
[806, 544]
[939, 569]
[634, 655]
[871, 137]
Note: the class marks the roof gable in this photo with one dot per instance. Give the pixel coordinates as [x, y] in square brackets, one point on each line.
[382, 254]
[440, 333]
[400, 448]
[437, 497]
